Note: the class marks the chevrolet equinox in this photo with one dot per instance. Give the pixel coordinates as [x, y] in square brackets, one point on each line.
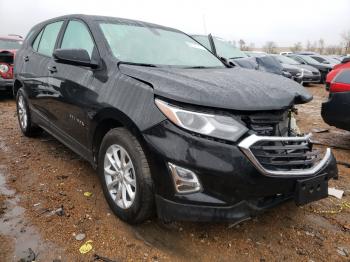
[170, 128]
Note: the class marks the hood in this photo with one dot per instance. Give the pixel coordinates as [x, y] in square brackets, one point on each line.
[290, 68]
[226, 88]
[308, 67]
[246, 62]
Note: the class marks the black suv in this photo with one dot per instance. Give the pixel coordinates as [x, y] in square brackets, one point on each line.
[167, 125]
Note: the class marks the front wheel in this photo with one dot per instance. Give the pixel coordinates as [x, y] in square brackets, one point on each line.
[125, 176]
[28, 128]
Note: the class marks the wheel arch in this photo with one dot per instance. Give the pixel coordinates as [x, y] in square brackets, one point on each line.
[16, 86]
[104, 121]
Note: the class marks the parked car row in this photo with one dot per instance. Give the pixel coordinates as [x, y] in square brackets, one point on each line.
[171, 128]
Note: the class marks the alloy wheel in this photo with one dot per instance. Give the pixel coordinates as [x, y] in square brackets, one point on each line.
[120, 177]
[22, 112]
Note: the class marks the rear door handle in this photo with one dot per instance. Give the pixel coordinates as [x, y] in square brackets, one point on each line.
[26, 58]
[52, 69]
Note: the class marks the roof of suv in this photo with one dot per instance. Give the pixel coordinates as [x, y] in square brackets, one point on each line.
[110, 19]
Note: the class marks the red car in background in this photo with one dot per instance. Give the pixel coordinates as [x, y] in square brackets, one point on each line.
[8, 47]
[335, 111]
[336, 69]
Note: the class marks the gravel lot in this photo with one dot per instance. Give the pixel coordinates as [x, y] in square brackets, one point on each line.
[38, 176]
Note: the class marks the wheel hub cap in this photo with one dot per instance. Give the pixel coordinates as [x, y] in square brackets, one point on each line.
[22, 112]
[120, 176]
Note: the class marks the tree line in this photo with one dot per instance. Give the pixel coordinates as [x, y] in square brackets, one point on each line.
[319, 46]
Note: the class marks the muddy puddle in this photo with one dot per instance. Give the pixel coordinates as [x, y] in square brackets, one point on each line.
[28, 245]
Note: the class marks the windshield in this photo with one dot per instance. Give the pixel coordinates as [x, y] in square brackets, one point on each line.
[309, 60]
[286, 60]
[136, 43]
[225, 49]
[10, 44]
[203, 39]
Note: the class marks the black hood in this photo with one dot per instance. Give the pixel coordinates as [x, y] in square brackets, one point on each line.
[226, 88]
[245, 62]
[308, 67]
[291, 68]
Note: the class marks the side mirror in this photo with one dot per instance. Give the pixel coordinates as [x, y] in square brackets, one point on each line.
[325, 62]
[346, 60]
[78, 57]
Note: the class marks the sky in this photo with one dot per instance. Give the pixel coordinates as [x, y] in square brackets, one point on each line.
[254, 21]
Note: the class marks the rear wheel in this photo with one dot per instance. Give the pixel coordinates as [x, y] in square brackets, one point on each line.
[28, 128]
[125, 176]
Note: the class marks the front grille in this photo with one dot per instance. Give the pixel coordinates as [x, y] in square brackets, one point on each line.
[267, 124]
[285, 155]
[280, 156]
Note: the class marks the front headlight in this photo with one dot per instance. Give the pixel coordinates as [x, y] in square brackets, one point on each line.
[4, 68]
[218, 126]
[308, 72]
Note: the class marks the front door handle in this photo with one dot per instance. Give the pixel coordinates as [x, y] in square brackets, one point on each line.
[26, 58]
[52, 69]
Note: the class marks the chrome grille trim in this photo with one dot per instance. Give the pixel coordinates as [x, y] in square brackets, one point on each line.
[248, 142]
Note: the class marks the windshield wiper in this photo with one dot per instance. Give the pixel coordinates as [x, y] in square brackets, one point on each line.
[137, 64]
[196, 67]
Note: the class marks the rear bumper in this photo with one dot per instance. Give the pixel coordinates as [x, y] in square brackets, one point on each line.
[335, 111]
[6, 84]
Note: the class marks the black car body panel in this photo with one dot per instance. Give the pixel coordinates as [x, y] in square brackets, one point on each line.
[232, 88]
[77, 104]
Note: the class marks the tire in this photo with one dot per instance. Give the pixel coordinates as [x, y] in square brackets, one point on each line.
[28, 128]
[130, 194]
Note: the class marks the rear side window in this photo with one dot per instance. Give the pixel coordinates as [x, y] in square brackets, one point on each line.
[48, 38]
[77, 36]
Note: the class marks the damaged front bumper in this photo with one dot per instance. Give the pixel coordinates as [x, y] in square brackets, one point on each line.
[237, 181]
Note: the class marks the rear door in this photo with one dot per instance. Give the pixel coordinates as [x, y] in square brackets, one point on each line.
[71, 107]
[35, 72]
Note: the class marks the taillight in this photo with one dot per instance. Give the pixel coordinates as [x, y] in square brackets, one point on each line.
[339, 87]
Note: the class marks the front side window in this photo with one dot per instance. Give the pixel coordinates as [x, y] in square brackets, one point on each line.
[319, 59]
[77, 36]
[145, 44]
[48, 38]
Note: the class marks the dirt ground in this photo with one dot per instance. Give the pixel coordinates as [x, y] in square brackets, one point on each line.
[38, 176]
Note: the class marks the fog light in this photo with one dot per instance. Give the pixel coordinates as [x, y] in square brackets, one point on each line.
[185, 180]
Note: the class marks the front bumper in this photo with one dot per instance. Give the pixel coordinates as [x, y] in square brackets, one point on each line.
[311, 78]
[233, 187]
[335, 111]
[6, 84]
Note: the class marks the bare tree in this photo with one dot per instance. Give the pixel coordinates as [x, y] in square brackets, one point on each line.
[270, 47]
[321, 45]
[308, 45]
[334, 49]
[346, 38]
[297, 47]
[251, 47]
[241, 44]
